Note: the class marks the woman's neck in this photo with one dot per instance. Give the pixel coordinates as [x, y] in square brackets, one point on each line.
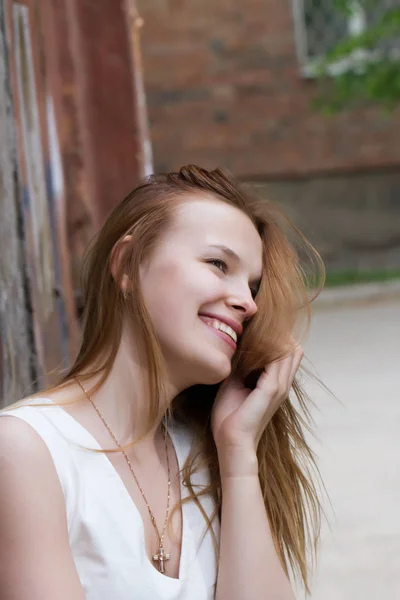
[123, 398]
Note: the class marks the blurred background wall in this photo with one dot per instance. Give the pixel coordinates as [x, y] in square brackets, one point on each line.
[230, 83]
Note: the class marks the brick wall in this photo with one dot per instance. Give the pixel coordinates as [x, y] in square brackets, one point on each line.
[352, 219]
[223, 87]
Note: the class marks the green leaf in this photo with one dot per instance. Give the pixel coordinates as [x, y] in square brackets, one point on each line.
[372, 75]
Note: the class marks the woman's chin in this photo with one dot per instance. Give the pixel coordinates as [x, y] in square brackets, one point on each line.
[195, 368]
[216, 371]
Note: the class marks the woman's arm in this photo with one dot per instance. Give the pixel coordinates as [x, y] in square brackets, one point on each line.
[249, 567]
[35, 558]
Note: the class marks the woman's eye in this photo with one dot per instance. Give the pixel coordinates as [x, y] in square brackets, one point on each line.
[220, 264]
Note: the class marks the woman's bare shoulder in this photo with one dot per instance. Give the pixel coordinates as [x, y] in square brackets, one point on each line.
[21, 447]
[29, 482]
[32, 517]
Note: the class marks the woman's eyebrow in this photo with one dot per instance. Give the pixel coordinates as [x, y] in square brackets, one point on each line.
[227, 251]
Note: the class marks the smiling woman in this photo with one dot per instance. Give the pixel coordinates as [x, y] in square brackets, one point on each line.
[172, 443]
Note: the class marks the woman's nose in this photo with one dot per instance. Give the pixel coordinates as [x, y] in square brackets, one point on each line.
[245, 304]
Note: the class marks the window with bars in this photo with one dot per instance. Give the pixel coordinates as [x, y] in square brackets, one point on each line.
[320, 26]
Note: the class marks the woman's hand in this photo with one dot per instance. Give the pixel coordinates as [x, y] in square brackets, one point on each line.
[240, 415]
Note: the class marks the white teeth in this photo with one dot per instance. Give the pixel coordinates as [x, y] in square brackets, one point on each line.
[223, 327]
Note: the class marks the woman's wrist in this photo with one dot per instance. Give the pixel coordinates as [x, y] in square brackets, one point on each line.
[237, 463]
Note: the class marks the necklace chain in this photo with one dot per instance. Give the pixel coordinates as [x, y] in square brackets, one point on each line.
[161, 556]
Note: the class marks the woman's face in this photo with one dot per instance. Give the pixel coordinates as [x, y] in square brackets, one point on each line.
[198, 286]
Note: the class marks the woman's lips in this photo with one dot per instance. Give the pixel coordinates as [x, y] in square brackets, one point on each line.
[224, 336]
[237, 327]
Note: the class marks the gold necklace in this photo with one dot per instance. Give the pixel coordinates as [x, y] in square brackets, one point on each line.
[161, 556]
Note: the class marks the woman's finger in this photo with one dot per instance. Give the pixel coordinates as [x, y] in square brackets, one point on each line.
[298, 356]
[275, 376]
[285, 373]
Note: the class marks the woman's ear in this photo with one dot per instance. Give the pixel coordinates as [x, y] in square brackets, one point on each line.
[117, 256]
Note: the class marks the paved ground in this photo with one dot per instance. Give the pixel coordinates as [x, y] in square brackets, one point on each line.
[356, 352]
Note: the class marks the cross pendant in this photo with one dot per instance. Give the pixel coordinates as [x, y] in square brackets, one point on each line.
[161, 557]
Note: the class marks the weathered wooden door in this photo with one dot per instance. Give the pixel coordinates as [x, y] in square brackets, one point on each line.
[39, 170]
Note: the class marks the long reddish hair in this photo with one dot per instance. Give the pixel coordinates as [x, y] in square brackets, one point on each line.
[287, 469]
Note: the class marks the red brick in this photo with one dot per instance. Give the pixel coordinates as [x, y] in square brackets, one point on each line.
[203, 59]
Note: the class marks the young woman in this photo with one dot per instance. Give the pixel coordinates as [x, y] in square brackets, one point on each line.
[169, 463]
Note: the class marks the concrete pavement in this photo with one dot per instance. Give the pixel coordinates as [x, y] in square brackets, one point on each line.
[355, 350]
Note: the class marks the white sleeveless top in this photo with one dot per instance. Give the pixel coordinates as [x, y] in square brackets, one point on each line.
[106, 532]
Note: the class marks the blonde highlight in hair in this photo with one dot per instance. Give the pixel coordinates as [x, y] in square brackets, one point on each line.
[287, 469]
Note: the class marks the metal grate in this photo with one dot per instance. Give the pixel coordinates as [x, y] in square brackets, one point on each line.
[324, 27]
[321, 26]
